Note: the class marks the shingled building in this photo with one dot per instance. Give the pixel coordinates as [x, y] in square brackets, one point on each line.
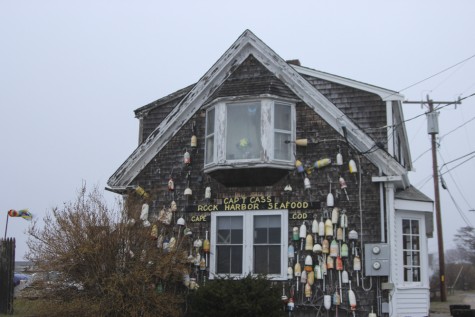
[294, 173]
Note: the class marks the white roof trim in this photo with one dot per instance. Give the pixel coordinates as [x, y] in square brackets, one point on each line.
[385, 94]
[244, 46]
[413, 205]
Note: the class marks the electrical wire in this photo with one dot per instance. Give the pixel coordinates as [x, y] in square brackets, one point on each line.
[456, 185]
[436, 74]
[455, 160]
[470, 158]
[464, 218]
[460, 126]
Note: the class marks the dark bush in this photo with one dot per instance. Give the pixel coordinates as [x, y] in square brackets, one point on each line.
[250, 296]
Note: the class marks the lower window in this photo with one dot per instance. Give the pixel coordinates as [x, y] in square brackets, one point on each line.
[249, 242]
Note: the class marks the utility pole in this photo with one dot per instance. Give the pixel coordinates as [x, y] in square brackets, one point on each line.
[433, 129]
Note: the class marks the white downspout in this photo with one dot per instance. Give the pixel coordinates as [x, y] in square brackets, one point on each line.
[391, 224]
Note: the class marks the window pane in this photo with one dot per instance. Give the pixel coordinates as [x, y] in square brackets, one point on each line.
[243, 135]
[236, 236]
[210, 122]
[282, 150]
[223, 259]
[415, 226]
[416, 275]
[229, 259]
[415, 243]
[210, 149]
[406, 226]
[406, 258]
[229, 229]
[267, 259]
[224, 236]
[260, 235]
[274, 235]
[267, 229]
[406, 242]
[282, 117]
[415, 258]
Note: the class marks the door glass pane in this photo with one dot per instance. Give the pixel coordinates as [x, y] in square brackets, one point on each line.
[411, 250]
[415, 226]
[406, 242]
[243, 135]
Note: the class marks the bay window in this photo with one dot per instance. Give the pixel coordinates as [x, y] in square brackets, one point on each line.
[251, 131]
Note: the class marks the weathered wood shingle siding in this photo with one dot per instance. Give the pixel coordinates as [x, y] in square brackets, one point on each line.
[365, 109]
[251, 78]
[154, 112]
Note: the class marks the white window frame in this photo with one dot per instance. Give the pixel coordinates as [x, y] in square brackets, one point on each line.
[248, 242]
[267, 132]
[423, 249]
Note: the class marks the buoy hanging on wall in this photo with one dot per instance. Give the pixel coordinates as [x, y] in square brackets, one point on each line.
[339, 159]
[306, 183]
[299, 166]
[187, 158]
[208, 193]
[352, 166]
[171, 185]
[322, 163]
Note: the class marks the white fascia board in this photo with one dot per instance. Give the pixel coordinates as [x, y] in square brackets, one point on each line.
[385, 94]
[413, 205]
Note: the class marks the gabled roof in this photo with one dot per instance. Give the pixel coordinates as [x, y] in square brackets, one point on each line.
[249, 44]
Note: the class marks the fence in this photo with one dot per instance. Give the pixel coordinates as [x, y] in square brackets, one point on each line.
[7, 268]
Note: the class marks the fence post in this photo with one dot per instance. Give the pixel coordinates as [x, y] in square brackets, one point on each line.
[7, 268]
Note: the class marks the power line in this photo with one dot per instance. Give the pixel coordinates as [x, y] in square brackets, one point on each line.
[456, 185]
[454, 160]
[436, 74]
[458, 165]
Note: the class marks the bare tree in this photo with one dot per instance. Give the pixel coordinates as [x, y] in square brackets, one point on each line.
[465, 239]
[111, 257]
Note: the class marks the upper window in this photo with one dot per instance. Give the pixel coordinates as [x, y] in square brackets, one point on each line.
[250, 242]
[254, 130]
[411, 249]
